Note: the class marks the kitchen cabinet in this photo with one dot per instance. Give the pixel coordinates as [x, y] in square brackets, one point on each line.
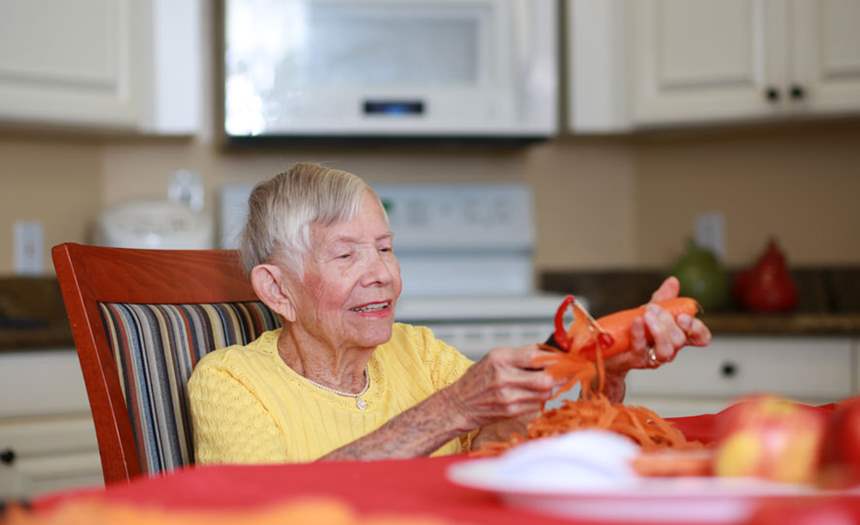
[825, 46]
[814, 370]
[118, 64]
[46, 429]
[701, 60]
[645, 63]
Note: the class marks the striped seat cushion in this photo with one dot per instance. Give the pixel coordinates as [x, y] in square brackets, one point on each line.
[156, 347]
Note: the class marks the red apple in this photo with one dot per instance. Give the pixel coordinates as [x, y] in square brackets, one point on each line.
[771, 438]
[842, 445]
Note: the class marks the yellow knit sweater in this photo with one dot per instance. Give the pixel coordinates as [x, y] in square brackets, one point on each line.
[248, 406]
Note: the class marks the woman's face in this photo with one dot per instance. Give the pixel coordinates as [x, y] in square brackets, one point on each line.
[351, 281]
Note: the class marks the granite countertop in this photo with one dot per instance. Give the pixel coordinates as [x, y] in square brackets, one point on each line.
[793, 324]
[32, 315]
[53, 335]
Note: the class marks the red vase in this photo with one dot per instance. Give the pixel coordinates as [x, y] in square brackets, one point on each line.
[767, 286]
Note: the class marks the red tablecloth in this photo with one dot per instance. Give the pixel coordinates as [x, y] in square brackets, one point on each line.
[411, 487]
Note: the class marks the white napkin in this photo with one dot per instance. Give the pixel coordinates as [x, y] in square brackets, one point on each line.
[582, 459]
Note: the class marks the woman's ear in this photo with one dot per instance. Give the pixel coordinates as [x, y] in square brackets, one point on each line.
[270, 284]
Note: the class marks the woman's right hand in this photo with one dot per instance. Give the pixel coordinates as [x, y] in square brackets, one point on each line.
[503, 384]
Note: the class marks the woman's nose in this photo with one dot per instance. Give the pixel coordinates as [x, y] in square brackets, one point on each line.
[378, 271]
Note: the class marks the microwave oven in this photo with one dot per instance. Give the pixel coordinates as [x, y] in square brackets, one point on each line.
[390, 68]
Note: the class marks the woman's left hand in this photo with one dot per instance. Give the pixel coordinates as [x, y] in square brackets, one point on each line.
[669, 334]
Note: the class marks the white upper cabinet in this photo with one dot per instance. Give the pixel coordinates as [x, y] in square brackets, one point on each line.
[101, 64]
[696, 60]
[647, 63]
[825, 72]
[67, 61]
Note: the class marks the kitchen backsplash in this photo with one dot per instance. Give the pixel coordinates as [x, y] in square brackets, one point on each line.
[599, 202]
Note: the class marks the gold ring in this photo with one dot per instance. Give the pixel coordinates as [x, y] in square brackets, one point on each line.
[652, 357]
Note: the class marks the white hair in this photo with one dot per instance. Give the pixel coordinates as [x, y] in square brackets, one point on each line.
[282, 209]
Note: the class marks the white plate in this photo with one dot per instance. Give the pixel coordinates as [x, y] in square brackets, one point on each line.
[701, 500]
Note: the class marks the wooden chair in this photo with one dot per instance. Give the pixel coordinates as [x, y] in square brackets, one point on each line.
[140, 320]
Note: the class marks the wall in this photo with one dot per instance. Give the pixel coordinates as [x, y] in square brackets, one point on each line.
[52, 179]
[600, 202]
[573, 183]
[799, 183]
[585, 195]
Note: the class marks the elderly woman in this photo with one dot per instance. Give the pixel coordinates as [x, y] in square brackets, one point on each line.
[341, 379]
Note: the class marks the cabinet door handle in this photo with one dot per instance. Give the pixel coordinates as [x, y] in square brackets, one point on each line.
[729, 370]
[771, 94]
[7, 457]
[797, 92]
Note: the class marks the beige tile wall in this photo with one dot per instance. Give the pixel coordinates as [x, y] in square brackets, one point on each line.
[798, 183]
[601, 202]
[56, 181]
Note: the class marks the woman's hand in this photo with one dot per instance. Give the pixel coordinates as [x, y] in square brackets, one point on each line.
[502, 385]
[669, 334]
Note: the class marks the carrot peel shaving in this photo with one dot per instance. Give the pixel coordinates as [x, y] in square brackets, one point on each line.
[593, 409]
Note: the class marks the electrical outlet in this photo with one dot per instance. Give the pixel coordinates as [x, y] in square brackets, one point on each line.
[710, 232]
[29, 247]
[186, 187]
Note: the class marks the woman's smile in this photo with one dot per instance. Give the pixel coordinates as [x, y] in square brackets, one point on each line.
[375, 310]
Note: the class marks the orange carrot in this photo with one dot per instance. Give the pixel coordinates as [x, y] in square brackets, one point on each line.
[584, 338]
[618, 325]
[672, 463]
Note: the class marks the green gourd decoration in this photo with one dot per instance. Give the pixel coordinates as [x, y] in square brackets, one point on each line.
[702, 277]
